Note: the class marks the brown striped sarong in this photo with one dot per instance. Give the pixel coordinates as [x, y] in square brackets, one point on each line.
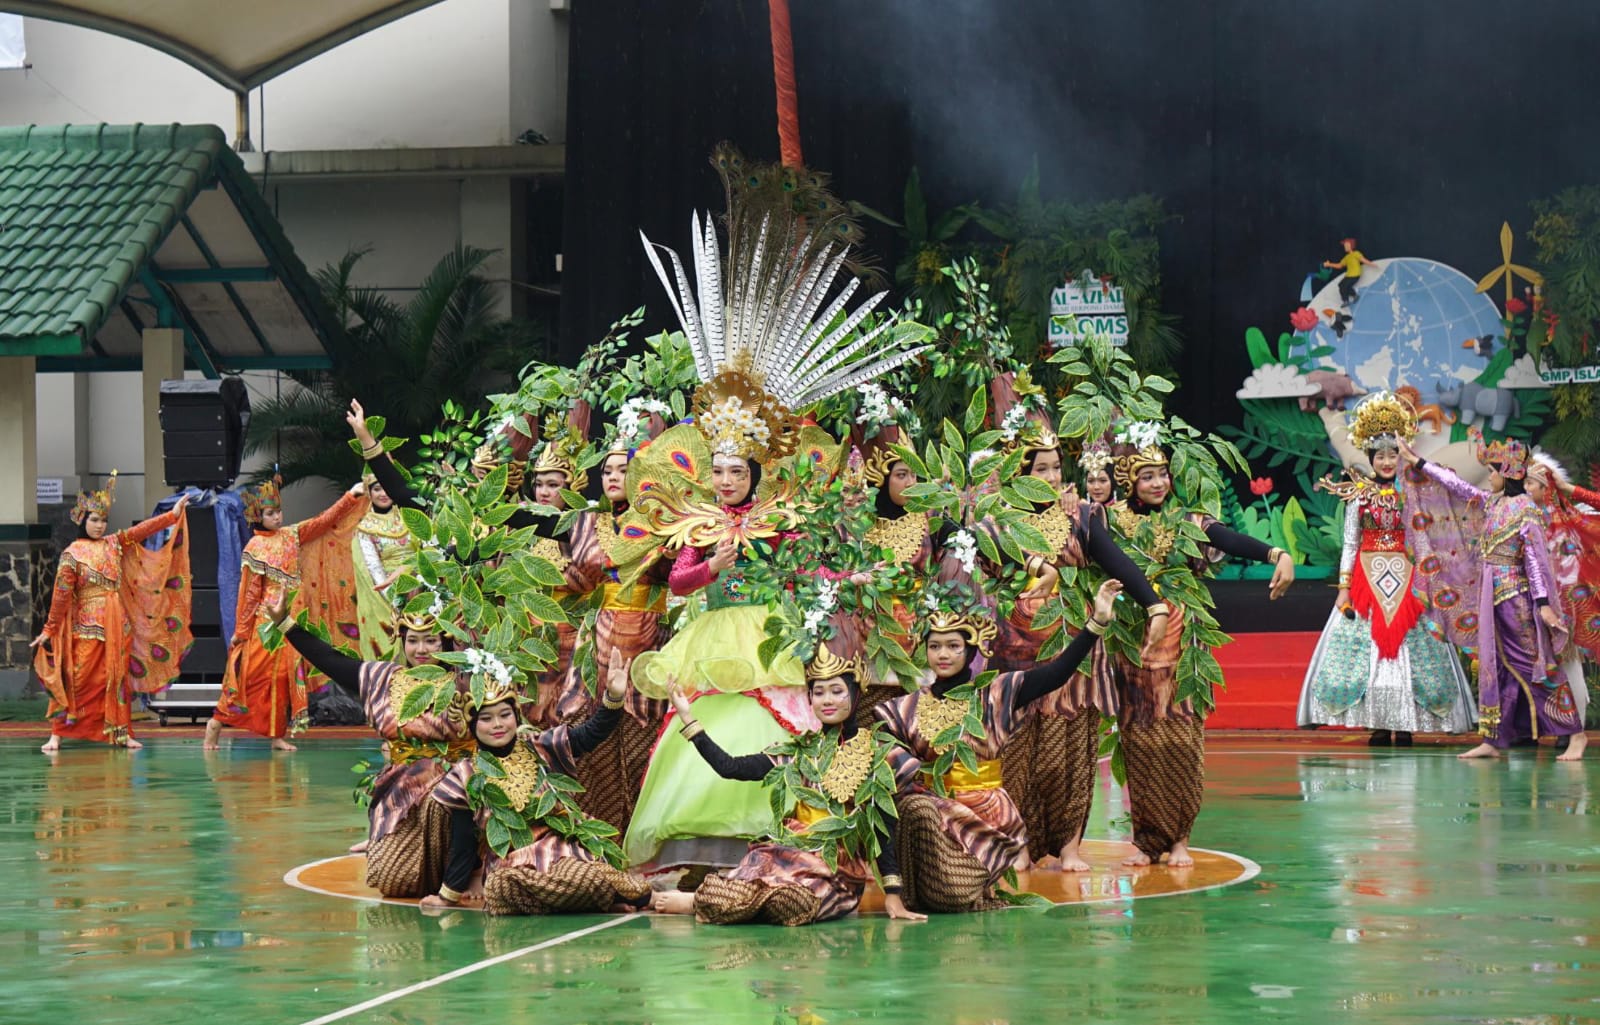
[938, 874]
[410, 860]
[1055, 757]
[1166, 780]
[571, 886]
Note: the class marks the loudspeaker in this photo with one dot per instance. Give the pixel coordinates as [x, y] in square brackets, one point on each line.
[202, 431]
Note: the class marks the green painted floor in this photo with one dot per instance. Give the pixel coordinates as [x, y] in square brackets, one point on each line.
[1398, 887]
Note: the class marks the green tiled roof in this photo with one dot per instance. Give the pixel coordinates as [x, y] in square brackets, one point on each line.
[82, 208]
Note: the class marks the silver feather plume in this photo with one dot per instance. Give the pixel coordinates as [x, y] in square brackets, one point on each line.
[767, 306]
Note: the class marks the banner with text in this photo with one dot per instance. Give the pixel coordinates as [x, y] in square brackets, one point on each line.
[1085, 306]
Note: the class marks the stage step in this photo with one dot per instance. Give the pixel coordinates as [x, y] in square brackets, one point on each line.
[1263, 674]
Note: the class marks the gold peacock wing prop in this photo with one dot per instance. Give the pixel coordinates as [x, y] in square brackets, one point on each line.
[813, 446]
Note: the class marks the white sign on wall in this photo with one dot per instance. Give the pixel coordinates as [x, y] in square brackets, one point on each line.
[13, 51]
[1086, 306]
[1571, 375]
[48, 491]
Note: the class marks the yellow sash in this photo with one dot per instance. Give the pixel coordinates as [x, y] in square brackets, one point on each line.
[986, 778]
[810, 815]
[640, 598]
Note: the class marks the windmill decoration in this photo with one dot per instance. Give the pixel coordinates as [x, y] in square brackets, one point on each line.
[1507, 269]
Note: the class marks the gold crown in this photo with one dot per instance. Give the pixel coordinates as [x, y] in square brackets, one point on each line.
[561, 455]
[266, 495]
[95, 502]
[494, 693]
[1383, 418]
[418, 623]
[827, 664]
[979, 630]
[1126, 468]
[739, 417]
[487, 458]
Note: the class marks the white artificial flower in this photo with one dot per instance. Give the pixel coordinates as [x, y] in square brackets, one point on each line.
[964, 547]
[979, 456]
[1012, 423]
[875, 405]
[1140, 434]
[634, 414]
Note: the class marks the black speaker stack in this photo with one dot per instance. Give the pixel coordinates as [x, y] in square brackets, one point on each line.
[203, 426]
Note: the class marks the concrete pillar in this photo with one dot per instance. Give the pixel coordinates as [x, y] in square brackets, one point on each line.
[163, 361]
[21, 547]
[19, 440]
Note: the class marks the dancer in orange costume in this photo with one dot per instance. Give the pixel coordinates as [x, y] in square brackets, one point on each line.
[119, 622]
[265, 691]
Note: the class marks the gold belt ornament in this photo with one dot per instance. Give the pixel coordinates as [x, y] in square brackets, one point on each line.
[405, 750]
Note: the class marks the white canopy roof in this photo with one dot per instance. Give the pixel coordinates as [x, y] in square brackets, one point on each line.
[240, 43]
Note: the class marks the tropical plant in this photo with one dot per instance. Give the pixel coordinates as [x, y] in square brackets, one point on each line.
[445, 343]
[1566, 229]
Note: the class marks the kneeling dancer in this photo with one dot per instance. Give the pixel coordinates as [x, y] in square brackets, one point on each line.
[408, 836]
[556, 872]
[785, 879]
[954, 848]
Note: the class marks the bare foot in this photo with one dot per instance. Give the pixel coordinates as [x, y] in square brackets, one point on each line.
[673, 902]
[52, 745]
[1179, 856]
[1481, 751]
[1575, 748]
[1138, 859]
[359, 848]
[283, 745]
[213, 735]
[1023, 862]
[131, 744]
[1072, 859]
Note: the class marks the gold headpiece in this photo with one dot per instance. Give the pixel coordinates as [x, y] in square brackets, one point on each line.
[827, 664]
[494, 693]
[978, 629]
[97, 502]
[561, 454]
[1382, 421]
[1019, 413]
[1125, 469]
[488, 457]
[418, 623]
[1096, 457]
[264, 496]
[878, 455]
[740, 418]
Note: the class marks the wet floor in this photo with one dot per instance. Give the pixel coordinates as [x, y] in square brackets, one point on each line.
[1395, 887]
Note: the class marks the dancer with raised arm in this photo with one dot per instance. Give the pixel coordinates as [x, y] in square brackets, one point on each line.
[1521, 631]
[118, 625]
[265, 691]
[959, 835]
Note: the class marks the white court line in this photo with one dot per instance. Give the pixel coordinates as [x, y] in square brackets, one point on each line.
[438, 980]
[292, 877]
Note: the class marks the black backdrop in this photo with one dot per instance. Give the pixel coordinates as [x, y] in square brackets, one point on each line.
[1271, 130]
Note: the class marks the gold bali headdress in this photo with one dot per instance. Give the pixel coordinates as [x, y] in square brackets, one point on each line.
[1018, 408]
[1508, 457]
[952, 602]
[764, 343]
[1382, 421]
[1141, 441]
[563, 447]
[95, 502]
[264, 496]
[841, 652]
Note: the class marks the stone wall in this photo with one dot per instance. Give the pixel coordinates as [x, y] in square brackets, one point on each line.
[27, 576]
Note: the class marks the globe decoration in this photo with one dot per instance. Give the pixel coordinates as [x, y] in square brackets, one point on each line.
[1409, 325]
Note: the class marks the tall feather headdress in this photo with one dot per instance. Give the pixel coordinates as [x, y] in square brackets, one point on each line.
[767, 340]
